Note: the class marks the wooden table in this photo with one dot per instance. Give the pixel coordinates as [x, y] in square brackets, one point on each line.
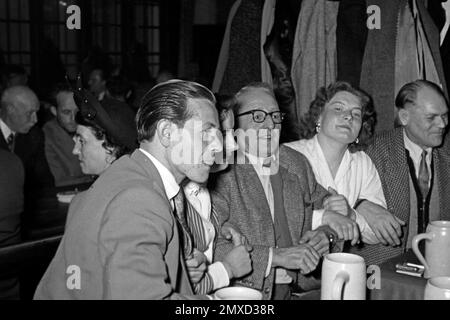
[396, 286]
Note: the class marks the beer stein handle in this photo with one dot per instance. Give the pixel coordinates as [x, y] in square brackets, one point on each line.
[415, 247]
[338, 285]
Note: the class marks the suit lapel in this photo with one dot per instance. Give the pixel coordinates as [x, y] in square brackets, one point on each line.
[293, 203]
[149, 168]
[398, 171]
[3, 144]
[153, 174]
[254, 198]
[442, 177]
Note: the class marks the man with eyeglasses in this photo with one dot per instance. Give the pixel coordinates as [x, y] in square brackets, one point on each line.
[269, 195]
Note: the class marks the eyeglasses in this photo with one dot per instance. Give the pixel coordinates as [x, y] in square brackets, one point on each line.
[259, 116]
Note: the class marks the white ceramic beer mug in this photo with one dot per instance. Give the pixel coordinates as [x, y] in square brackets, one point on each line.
[437, 249]
[343, 277]
[437, 288]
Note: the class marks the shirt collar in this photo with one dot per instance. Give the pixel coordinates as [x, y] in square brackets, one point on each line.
[170, 185]
[346, 161]
[415, 151]
[192, 188]
[5, 129]
[258, 162]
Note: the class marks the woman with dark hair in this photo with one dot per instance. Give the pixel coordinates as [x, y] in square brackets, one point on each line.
[105, 137]
[105, 131]
[340, 120]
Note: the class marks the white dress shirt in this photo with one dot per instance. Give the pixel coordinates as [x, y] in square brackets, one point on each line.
[356, 178]
[5, 130]
[200, 199]
[218, 272]
[171, 186]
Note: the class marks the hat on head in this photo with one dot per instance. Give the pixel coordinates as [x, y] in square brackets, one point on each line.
[113, 116]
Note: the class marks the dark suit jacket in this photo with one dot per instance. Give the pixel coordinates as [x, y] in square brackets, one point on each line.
[31, 150]
[388, 154]
[11, 207]
[123, 236]
[239, 199]
[11, 197]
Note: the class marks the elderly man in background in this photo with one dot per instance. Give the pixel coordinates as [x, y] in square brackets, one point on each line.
[414, 171]
[59, 142]
[19, 105]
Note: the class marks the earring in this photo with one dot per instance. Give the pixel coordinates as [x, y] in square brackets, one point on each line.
[318, 127]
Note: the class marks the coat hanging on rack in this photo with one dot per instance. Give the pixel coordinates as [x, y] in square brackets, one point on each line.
[245, 62]
[351, 36]
[314, 53]
[378, 74]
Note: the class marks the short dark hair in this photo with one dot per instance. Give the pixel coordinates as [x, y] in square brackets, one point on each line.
[113, 121]
[168, 101]
[308, 122]
[408, 93]
[114, 147]
[224, 102]
[118, 86]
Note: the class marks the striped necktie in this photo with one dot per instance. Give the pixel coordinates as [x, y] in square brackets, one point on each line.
[423, 179]
[180, 214]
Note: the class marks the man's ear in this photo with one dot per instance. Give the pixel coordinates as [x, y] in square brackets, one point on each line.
[53, 110]
[10, 109]
[164, 131]
[403, 116]
[111, 155]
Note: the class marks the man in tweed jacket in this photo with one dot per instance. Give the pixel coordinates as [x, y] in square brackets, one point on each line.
[272, 206]
[422, 113]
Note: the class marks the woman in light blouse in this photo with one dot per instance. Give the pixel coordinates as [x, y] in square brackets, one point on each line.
[339, 122]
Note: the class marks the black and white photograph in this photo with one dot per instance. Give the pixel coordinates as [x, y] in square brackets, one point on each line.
[251, 151]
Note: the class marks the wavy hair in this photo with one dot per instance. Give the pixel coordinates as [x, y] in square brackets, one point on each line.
[111, 145]
[308, 123]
